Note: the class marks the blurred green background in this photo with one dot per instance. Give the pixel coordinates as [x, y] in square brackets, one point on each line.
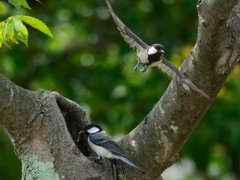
[89, 63]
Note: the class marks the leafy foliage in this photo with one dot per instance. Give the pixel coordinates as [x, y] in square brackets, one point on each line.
[2, 8]
[19, 3]
[13, 29]
[25, 4]
[16, 3]
[37, 24]
[17, 25]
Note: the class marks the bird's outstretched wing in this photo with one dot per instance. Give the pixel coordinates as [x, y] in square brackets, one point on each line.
[132, 39]
[104, 140]
[172, 71]
[135, 42]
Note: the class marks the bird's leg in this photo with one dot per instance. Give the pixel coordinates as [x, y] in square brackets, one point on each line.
[136, 67]
[99, 158]
[113, 163]
[144, 68]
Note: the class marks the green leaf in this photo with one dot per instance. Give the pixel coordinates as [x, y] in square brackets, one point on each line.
[4, 30]
[2, 8]
[23, 35]
[36, 24]
[25, 4]
[5, 43]
[39, 1]
[24, 31]
[14, 40]
[22, 38]
[17, 24]
[16, 3]
[10, 31]
[2, 40]
[0, 44]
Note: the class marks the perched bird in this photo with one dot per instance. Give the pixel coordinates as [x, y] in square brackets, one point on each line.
[151, 56]
[103, 144]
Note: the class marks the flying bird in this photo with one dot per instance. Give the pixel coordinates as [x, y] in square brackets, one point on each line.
[102, 143]
[151, 56]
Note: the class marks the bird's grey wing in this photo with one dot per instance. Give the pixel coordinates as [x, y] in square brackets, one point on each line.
[172, 71]
[126, 160]
[132, 39]
[104, 140]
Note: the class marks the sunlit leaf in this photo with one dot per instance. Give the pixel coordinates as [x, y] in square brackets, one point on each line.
[2, 41]
[39, 1]
[25, 4]
[5, 43]
[16, 3]
[4, 30]
[17, 24]
[22, 38]
[14, 40]
[2, 8]
[24, 31]
[10, 31]
[36, 24]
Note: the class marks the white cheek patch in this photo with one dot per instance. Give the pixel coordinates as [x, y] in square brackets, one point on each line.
[152, 50]
[93, 130]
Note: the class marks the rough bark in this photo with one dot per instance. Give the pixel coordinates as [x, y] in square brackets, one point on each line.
[43, 125]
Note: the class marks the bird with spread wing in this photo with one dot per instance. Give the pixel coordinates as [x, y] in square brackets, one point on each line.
[151, 56]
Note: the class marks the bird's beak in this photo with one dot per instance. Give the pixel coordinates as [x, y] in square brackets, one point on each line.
[81, 132]
[162, 51]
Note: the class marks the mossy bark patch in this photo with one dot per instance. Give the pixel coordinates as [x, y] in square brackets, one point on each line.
[34, 169]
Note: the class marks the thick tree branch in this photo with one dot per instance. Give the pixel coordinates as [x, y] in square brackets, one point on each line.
[156, 142]
[40, 135]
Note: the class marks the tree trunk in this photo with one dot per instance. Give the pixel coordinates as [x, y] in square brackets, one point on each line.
[44, 126]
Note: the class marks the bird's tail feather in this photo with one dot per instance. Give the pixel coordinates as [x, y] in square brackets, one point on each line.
[172, 71]
[124, 159]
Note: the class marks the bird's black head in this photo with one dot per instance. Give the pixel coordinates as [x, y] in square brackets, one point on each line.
[155, 53]
[157, 48]
[91, 129]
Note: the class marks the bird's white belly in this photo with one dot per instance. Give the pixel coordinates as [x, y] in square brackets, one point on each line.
[143, 56]
[100, 151]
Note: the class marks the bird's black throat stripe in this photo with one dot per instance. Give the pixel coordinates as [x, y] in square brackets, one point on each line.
[154, 57]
